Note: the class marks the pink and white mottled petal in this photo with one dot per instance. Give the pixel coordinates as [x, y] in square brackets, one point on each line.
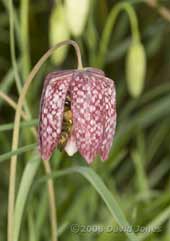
[51, 112]
[86, 105]
[110, 118]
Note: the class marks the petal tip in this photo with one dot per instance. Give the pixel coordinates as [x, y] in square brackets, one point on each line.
[71, 147]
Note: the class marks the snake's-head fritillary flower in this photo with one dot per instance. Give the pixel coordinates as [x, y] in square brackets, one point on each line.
[78, 113]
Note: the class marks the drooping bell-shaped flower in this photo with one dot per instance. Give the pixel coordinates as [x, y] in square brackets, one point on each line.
[78, 112]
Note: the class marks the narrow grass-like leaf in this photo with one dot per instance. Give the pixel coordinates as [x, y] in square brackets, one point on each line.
[140, 172]
[157, 138]
[62, 228]
[153, 113]
[42, 212]
[103, 191]
[24, 188]
[31, 226]
[148, 97]
[156, 223]
[159, 172]
[6, 83]
[20, 150]
[12, 46]
[24, 31]
[10, 126]
[16, 20]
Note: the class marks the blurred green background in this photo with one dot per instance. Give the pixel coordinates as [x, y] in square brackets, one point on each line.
[136, 54]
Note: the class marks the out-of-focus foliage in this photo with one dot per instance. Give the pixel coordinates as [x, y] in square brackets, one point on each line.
[137, 172]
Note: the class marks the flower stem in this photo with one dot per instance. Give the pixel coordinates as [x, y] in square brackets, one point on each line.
[106, 34]
[46, 165]
[13, 164]
[78, 53]
[51, 196]
[26, 63]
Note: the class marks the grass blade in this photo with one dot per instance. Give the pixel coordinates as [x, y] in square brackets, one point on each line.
[103, 191]
[26, 182]
[20, 150]
[10, 126]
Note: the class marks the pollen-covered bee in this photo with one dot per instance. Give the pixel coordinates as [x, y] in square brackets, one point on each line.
[67, 123]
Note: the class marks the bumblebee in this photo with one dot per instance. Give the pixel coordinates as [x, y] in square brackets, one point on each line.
[67, 123]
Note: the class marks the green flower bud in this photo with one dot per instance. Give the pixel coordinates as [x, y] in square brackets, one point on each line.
[58, 32]
[77, 12]
[136, 69]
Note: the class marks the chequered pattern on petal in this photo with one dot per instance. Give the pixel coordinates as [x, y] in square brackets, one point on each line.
[51, 112]
[93, 106]
[109, 102]
[87, 94]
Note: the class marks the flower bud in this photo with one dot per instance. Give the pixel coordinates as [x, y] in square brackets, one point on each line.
[135, 69]
[76, 12]
[58, 32]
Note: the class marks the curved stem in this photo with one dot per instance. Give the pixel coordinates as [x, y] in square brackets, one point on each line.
[12, 177]
[106, 34]
[46, 164]
[78, 53]
[25, 61]
[133, 21]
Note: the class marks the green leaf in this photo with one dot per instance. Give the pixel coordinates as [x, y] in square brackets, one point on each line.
[31, 226]
[141, 179]
[22, 196]
[156, 223]
[103, 191]
[20, 150]
[150, 114]
[10, 126]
